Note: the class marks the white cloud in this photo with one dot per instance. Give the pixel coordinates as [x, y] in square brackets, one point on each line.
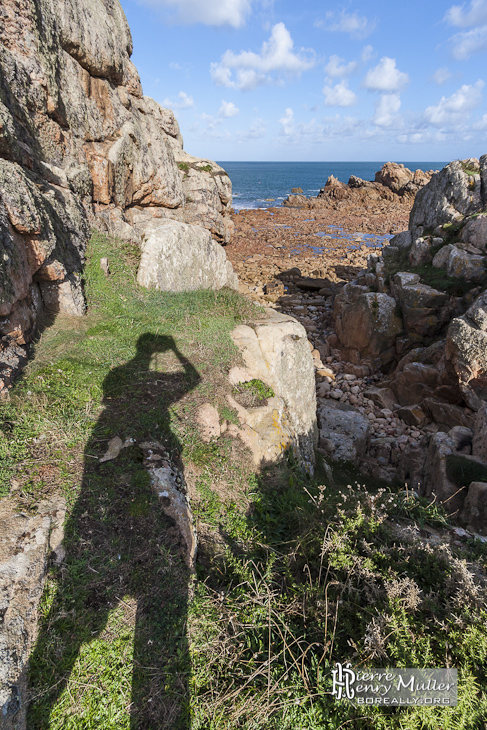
[228, 109]
[336, 68]
[358, 26]
[287, 122]
[386, 77]
[441, 76]
[276, 59]
[386, 111]
[475, 15]
[466, 44]
[207, 12]
[339, 95]
[257, 130]
[184, 102]
[367, 53]
[454, 109]
[175, 66]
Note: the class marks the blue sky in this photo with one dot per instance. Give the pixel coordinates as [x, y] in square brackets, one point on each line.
[310, 80]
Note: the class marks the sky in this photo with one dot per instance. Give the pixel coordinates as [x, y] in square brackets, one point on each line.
[312, 80]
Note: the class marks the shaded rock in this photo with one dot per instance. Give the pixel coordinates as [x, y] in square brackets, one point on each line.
[181, 257]
[436, 479]
[474, 513]
[348, 432]
[412, 415]
[367, 322]
[447, 414]
[479, 443]
[424, 310]
[382, 397]
[420, 252]
[466, 352]
[415, 382]
[462, 438]
[402, 240]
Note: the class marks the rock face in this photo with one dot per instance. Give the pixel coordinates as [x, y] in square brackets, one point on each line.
[466, 349]
[275, 350]
[80, 146]
[450, 195]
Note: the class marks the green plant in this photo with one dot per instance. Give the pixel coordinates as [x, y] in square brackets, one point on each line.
[183, 166]
[205, 168]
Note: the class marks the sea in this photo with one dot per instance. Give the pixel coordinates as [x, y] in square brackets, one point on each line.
[267, 184]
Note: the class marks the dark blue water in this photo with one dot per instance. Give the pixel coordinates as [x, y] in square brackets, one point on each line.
[266, 184]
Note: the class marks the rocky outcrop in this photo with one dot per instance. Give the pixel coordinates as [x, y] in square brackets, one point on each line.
[433, 280]
[81, 146]
[393, 183]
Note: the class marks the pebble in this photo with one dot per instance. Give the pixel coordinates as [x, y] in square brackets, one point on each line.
[336, 394]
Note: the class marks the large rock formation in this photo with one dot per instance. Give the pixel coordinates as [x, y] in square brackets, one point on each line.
[435, 276]
[80, 146]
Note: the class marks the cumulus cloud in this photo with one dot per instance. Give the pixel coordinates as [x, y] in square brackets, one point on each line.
[339, 95]
[441, 76]
[454, 109]
[276, 60]
[336, 68]
[358, 26]
[183, 102]
[386, 77]
[386, 111]
[228, 109]
[207, 12]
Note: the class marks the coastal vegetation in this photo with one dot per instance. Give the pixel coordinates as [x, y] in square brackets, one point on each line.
[294, 573]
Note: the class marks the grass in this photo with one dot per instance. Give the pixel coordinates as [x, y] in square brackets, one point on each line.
[293, 573]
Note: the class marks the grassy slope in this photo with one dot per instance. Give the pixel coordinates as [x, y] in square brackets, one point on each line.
[292, 575]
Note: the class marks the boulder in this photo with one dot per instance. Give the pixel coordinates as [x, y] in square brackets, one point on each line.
[275, 350]
[451, 194]
[402, 240]
[471, 267]
[447, 414]
[420, 252]
[415, 382]
[344, 434]
[180, 257]
[474, 513]
[440, 260]
[466, 352]
[425, 310]
[413, 415]
[367, 322]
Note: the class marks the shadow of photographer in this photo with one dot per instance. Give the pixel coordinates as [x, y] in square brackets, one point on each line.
[124, 574]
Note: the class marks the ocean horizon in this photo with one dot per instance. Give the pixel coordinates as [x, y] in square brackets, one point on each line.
[267, 184]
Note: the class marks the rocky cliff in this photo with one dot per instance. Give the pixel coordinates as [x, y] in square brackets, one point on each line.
[82, 147]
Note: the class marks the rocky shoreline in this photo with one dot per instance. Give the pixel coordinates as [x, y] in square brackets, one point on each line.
[400, 356]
